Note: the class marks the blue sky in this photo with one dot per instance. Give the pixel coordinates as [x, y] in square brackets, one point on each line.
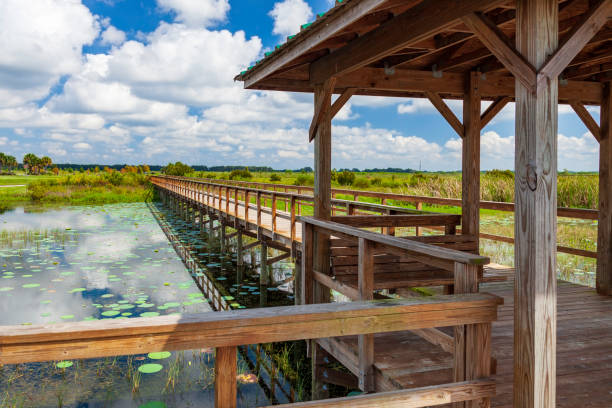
[151, 81]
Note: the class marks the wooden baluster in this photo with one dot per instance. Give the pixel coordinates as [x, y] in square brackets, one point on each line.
[292, 220]
[365, 270]
[246, 206]
[227, 199]
[236, 202]
[273, 213]
[259, 208]
[419, 206]
[225, 377]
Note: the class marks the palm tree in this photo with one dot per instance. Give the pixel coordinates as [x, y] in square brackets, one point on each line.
[45, 162]
[30, 162]
[10, 162]
[2, 161]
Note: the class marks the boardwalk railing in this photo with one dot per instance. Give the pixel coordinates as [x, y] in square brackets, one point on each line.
[464, 267]
[274, 205]
[418, 201]
[227, 330]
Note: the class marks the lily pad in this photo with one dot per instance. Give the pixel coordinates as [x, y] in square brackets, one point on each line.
[31, 285]
[75, 290]
[160, 355]
[110, 313]
[149, 314]
[5, 289]
[64, 364]
[150, 368]
[153, 404]
[67, 317]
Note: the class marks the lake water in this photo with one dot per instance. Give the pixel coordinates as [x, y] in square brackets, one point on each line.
[116, 262]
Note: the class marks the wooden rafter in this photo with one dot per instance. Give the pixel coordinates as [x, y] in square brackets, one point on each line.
[341, 101]
[321, 107]
[587, 119]
[577, 38]
[499, 45]
[408, 28]
[448, 114]
[493, 110]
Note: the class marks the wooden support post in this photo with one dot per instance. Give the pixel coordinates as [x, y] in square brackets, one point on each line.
[201, 220]
[470, 181]
[264, 278]
[293, 224]
[297, 279]
[535, 320]
[604, 226]
[226, 366]
[239, 254]
[222, 233]
[365, 270]
[322, 186]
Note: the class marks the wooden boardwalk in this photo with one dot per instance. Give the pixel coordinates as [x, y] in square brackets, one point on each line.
[405, 360]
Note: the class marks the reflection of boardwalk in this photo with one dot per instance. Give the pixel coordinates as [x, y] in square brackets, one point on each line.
[271, 380]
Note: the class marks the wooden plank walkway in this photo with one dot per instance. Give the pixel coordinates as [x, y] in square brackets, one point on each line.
[584, 349]
[584, 336]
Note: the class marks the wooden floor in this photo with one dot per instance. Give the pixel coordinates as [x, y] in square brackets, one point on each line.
[584, 336]
[584, 350]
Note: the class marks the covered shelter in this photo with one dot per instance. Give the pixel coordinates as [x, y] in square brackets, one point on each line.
[536, 53]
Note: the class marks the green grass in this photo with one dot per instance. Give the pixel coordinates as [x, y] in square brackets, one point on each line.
[74, 189]
[574, 190]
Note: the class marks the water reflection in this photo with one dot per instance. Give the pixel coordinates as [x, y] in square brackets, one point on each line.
[114, 261]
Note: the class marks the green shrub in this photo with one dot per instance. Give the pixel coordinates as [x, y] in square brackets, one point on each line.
[275, 177]
[37, 191]
[361, 182]
[376, 181]
[240, 174]
[345, 178]
[177, 169]
[304, 180]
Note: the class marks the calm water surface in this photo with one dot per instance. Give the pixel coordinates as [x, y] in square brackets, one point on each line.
[116, 262]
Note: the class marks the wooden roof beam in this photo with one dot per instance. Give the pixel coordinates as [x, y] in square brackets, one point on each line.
[416, 24]
[576, 39]
[374, 81]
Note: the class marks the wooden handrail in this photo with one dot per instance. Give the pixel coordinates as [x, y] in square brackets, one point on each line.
[412, 247]
[411, 398]
[112, 337]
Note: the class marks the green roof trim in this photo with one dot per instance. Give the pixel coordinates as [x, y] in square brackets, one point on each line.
[305, 26]
[291, 37]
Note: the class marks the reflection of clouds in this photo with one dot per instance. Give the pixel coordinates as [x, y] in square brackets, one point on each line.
[121, 240]
[19, 220]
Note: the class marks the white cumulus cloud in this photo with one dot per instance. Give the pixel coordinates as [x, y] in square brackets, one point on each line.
[289, 15]
[195, 13]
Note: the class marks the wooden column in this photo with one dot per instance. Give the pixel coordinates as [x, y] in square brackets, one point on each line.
[470, 168]
[322, 186]
[322, 210]
[536, 211]
[239, 252]
[604, 229]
